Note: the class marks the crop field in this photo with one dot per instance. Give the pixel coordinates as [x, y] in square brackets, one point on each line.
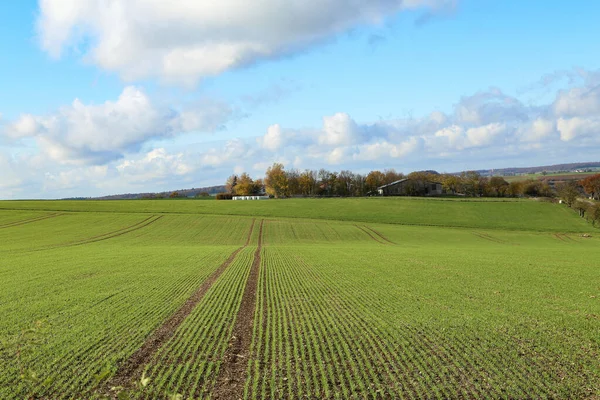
[337, 298]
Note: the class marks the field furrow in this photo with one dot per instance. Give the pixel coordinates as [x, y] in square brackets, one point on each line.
[132, 368]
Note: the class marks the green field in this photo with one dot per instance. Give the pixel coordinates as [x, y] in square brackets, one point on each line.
[551, 175]
[303, 298]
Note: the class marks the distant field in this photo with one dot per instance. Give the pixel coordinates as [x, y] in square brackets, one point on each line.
[562, 175]
[337, 298]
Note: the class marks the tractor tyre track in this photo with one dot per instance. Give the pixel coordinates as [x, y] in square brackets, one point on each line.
[488, 238]
[231, 378]
[132, 368]
[29, 221]
[380, 235]
[104, 236]
[117, 233]
[375, 238]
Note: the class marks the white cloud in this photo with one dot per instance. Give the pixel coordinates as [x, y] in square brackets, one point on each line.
[339, 129]
[155, 164]
[273, 139]
[579, 101]
[232, 152]
[489, 106]
[386, 150]
[496, 129]
[572, 128]
[97, 134]
[539, 129]
[11, 179]
[184, 40]
[484, 135]
[454, 134]
[25, 126]
[73, 178]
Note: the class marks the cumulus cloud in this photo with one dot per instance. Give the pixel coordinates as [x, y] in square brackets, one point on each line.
[339, 129]
[156, 164]
[11, 179]
[97, 134]
[185, 40]
[580, 101]
[486, 127]
[489, 106]
[572, 128]
[482, 125]
[273, 139]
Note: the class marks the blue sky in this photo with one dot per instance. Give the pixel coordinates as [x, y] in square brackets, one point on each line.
[132, 95]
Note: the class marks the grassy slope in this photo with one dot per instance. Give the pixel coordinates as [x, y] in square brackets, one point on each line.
[508, 214]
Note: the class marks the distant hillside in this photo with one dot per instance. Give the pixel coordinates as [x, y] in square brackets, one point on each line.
[572, 167]
[182, 193]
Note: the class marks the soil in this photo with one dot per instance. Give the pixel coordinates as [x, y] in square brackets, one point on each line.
[131, 369]
[232, 374]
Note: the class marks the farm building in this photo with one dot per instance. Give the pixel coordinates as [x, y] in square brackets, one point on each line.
[410, 187]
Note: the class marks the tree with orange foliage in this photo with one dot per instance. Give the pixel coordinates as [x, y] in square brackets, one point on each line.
[276, 181]
[591, 185]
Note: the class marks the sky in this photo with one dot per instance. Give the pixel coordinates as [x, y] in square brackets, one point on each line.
[102, 97]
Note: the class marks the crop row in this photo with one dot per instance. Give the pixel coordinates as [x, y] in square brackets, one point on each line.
[189, 363]
[358, 321]
[98, 302]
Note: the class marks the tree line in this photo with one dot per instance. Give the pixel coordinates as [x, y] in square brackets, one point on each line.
[279, 182]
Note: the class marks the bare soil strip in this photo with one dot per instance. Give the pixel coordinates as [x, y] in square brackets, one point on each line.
[28, 221]
[379, 234]
[132, 368]
[229, 384]
[370, 234]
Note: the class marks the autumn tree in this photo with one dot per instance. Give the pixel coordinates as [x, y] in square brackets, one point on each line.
[327, 181]
[498, 185]
[591, 185]
[343, 183]
[473, 183]
[536, 188]
[515, 189]
[259, 186]
[424, 176]
[392, 176]
[293, 178]
[568, 192]
[276, 182]
[450, 183]
[307, 182]
[374, 180]
[581, 207]
[245, 185]
[593, 213]
[358, 185]
[230, 184]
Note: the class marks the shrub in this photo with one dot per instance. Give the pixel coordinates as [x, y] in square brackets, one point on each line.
[224, 196]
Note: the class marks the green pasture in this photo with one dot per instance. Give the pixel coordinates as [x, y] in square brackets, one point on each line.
[357, 298]
[489, 213]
